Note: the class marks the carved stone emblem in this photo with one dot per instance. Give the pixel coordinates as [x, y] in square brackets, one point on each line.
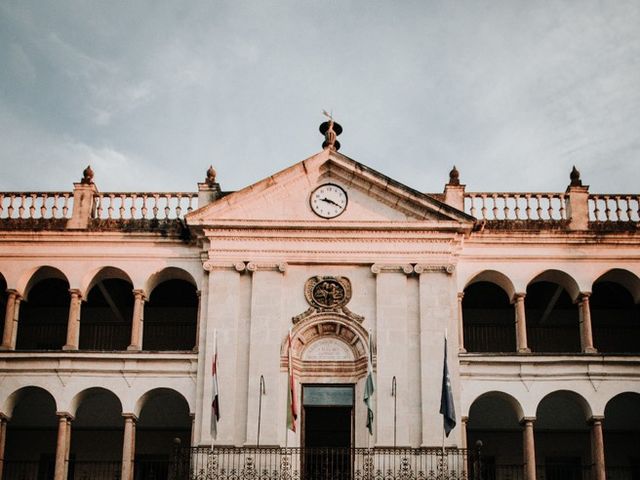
[327, 293]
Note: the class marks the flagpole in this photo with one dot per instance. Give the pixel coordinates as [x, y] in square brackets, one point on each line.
[445, 355]
[262, 392]
[213, 385]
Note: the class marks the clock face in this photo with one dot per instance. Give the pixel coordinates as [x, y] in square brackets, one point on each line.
[328, 200]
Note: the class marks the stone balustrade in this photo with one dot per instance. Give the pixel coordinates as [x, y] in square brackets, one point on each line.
[35, 205]
[515, 206]
[614, 208]
[144, 205]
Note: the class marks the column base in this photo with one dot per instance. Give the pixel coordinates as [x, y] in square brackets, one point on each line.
[134, 348]
[524, 350]
[70, 347]
[590, 350]
[6, 347]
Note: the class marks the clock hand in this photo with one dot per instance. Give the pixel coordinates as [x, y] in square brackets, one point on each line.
[328, 200]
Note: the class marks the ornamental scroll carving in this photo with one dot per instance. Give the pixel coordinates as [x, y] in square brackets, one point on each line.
[327, 294]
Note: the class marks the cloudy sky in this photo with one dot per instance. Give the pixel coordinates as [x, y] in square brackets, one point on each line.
[151, 93]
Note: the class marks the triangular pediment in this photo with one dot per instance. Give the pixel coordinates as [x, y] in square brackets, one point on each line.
[285, 197]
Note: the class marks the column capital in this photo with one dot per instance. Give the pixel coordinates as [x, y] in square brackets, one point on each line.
[519, 296]
[65, 415]
[267, 267]
[405, 268]
[139, 293]
[464, 419]
[460, 295]
[421, 268]
[582, 296]
[596, 419]
[75, 292]
[4, 417]
[14, 292]
[211, 265]
[527, 421]
[130, 416]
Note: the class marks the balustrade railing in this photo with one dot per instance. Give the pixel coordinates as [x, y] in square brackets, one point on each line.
[221, 463]
[142, 205]
[614, 208]
[36, 205]
[515, 206]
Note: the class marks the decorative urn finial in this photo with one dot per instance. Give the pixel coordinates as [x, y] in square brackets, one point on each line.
[211, 176]
[87, 176]
[575, 178]
[330, 130]
[454, 176]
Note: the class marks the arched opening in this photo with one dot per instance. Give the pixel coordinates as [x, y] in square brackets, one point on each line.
[494, 419]
[44, 312]
[106, 316]
[552, 318]
[170, 317]
[488, 319]
[615, 318]
[31, 435]
[562, 437]
[164, 416]
[621, 428]
[96, 435]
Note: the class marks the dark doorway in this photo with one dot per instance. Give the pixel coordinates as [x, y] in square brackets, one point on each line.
[327, 434]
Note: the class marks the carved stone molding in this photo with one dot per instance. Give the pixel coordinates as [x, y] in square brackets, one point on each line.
[327, 294]
[210, 266]
[439, 268]
[266, 267]
[405, 268]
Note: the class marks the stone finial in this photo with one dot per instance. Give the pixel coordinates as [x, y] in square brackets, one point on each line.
[331, 130]
[575, 178]
[211, 176]
[454, 176]
[87, 176]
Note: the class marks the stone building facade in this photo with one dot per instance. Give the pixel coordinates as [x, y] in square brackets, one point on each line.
[115, 304]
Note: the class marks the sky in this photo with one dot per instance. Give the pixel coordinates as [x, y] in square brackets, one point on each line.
[150, 93]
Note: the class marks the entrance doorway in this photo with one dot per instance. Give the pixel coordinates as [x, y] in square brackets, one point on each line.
[327, 431]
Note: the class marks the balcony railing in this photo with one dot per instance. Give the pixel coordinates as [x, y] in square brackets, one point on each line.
[78, 470]
[493, 337]
[220, 463]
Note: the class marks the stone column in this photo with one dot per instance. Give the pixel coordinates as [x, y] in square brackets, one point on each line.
[73, 323]
[438, 311]
[461, 348]
[586, 335]
[11, 320]
[267, 331]
[128, 446]
[137, 322]
[528, 448]
[3, 439]
[62, 445]
[597, 449]
[392, 340]
[521, 324]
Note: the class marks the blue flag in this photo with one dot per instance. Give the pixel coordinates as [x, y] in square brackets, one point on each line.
[446, 399]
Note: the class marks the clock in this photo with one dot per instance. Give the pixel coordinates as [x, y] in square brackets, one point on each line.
[328, 200]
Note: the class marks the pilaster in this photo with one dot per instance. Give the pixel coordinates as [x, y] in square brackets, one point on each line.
[438, 312]
[391, 344]
[266, 336]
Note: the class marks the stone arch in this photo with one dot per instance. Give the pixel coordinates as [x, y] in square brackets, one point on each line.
[14, 398]
[158, 392]
[83, 395]
[352, 338]
[168, 273]
[506, 398]
[36, 275]
[625, 278]
[103, 273]
[566, 396]
[495, 277]
[560, 278]
[621, 429]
